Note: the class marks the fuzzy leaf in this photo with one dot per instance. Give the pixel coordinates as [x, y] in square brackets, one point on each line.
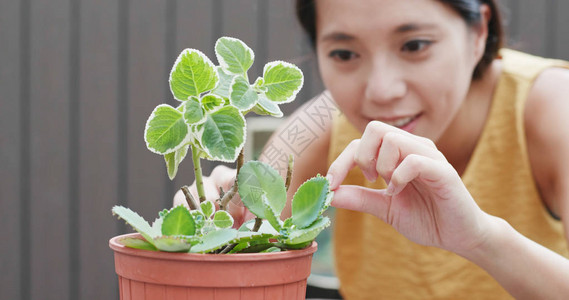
[193, 111]
[224, 134]
[265, 106]
[193, 73]
[271, 216]
[222, 219]
[307, 234]
[215, 240]
[233, 55]
[199, 219]
[270, 250]
[157, 224]
[173, 160]
[166, 130]
[178, 222]
[224, 85]
[172, 244]
[329, 198]
[242, 95]
[137, 243]
[212, 102]
[257, 178]
[207, 208]
[251, 237]
[308, 201]
[265, 227]
[136, 221]
[282, 81]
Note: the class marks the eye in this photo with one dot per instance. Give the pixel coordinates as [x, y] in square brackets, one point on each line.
[343, 55]
[415, 45]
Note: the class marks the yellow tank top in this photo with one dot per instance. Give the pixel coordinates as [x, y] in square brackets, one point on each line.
[373, 261]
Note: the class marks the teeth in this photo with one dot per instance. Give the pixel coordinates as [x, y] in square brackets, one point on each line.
[400, 122]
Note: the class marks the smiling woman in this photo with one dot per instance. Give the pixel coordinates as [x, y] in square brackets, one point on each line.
[456, 126]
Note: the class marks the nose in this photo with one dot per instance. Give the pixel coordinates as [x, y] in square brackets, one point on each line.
[385, 82]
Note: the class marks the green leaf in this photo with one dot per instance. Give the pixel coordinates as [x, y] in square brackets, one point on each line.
[233, 55]
[199, 219]
[178, 222]
[193, 73]
[137, 243]
[271, 216]
[215, 240]
[194, 113]
[242, 95]
[222, 219]
[267, 107]
[157, 224]
[225, 81]
[282, 81]
[307, 234]
[137, 222]
[212, 102]
[265, 228]
[252, 237]
[308, 201]
[223, 134]
[172, 244]
[328, 201]
[256, 178]
[207, 208]
[166, 130]
[272, 249]
[173, 160]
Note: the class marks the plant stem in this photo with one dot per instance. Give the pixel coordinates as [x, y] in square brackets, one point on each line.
[231, 193]
[227, 248]
[192, 203]
[198, 173]
[258, 222]
[289, 171]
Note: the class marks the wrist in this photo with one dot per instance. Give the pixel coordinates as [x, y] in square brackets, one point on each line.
[494, 239]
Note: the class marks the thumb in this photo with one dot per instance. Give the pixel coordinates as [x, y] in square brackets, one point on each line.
[353, 197]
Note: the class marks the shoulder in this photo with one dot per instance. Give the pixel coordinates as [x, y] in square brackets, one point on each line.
[546, 125]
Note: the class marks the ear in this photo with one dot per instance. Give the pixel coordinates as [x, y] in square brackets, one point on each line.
[481, 32]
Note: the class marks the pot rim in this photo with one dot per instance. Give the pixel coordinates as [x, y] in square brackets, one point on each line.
[116, 246]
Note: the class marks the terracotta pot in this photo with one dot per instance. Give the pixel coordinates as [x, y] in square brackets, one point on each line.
[161, 275]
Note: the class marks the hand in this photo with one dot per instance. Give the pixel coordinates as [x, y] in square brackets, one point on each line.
[425, 200]
[223, 177]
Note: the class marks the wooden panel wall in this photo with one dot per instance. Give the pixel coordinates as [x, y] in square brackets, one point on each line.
[78, 80]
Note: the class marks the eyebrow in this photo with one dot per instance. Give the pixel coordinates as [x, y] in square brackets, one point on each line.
[409, 27]
[413, 27]
[337, 36]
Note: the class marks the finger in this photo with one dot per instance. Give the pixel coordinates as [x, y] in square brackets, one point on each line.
[223, 176]
[372, 201]
[395, 147]
[372, 141]
[339, 169]
[417, 167]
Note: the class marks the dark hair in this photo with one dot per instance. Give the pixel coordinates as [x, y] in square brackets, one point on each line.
[469, 10]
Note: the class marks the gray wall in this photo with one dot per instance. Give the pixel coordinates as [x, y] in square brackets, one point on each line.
[78, 78]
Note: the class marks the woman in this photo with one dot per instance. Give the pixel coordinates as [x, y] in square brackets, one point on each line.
[472, 143]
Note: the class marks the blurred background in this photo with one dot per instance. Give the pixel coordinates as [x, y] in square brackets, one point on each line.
[78, 79]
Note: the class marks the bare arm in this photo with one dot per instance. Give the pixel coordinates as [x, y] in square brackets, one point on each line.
[427, 202]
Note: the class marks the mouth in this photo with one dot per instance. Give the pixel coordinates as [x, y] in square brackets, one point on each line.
[401, 122]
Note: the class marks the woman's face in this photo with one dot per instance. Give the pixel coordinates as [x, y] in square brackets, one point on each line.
[407, 63]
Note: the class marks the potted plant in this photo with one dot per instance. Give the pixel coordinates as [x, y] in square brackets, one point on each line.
[194, 252]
